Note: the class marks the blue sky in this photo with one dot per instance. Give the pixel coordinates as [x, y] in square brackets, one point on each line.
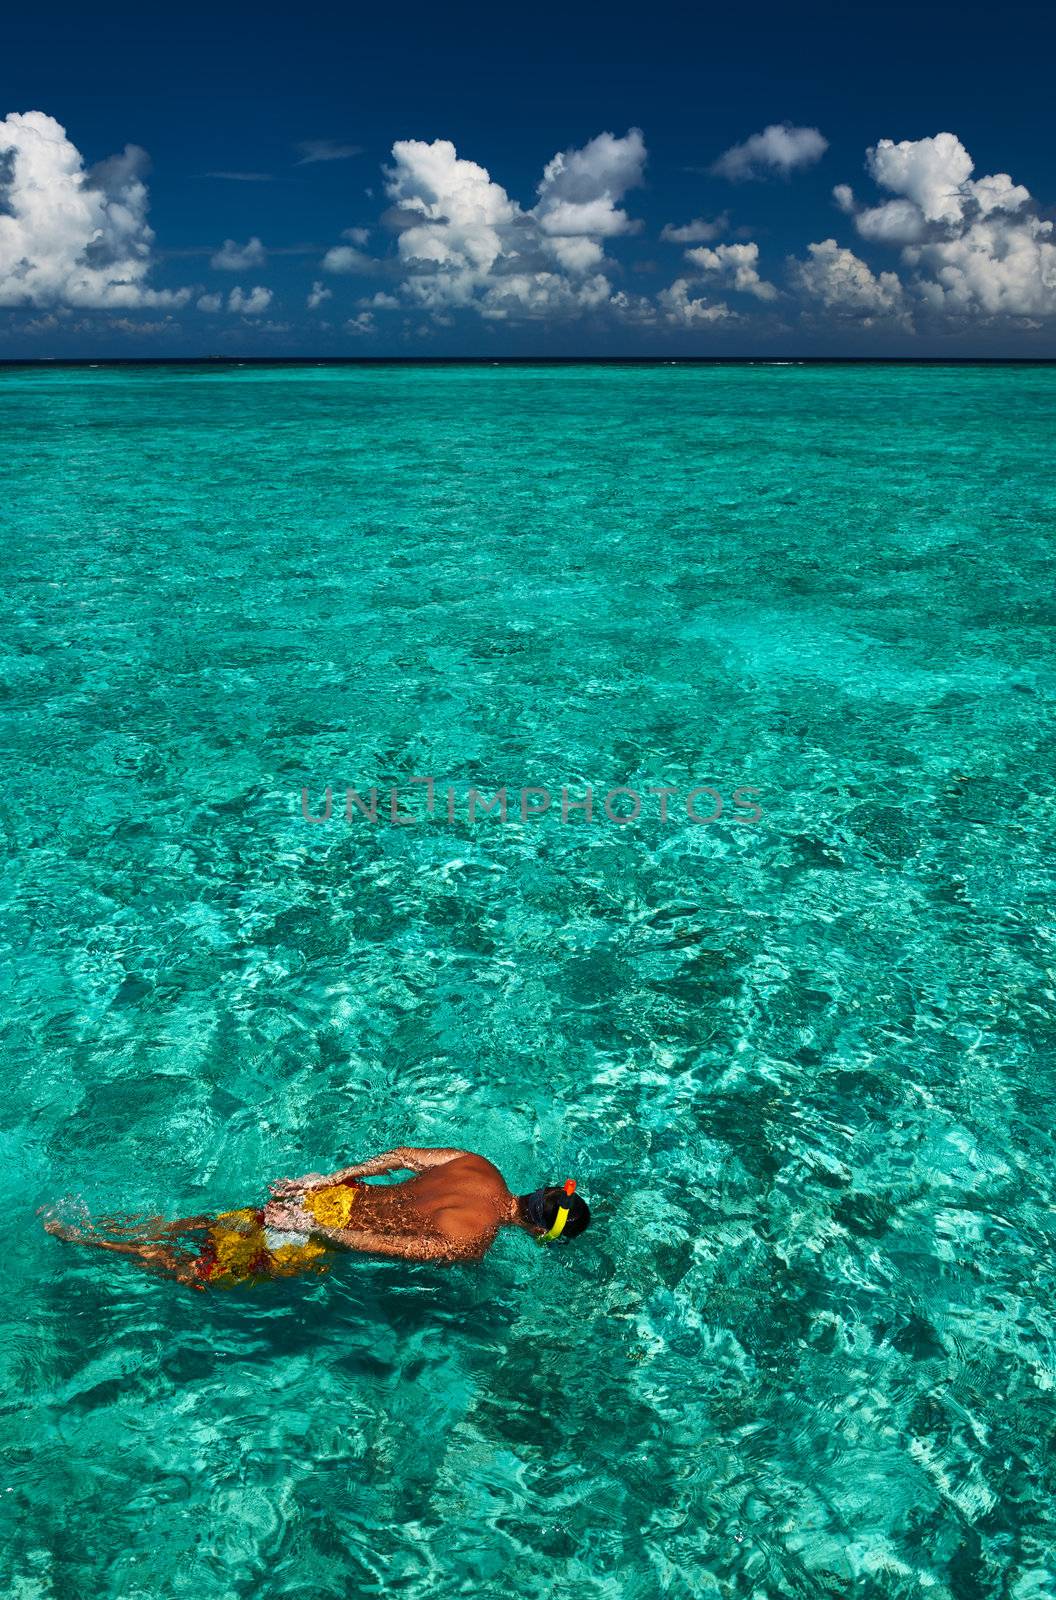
[438, 181]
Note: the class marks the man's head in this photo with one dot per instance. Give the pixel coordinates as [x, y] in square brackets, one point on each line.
[553, 1212]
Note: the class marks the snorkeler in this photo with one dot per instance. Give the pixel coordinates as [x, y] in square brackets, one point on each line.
[451, 1210]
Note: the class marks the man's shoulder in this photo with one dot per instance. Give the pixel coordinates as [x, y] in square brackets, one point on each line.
[469, 1161]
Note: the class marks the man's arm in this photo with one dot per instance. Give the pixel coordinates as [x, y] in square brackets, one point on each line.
[410, 1249]
[404, 1158]
[455, 1242]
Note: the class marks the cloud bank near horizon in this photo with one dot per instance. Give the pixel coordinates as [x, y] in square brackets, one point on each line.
[950, 250]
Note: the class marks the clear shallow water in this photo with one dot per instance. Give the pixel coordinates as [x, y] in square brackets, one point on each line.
[803, 1070]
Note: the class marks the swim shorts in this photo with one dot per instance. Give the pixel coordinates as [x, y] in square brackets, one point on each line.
[240, 1250]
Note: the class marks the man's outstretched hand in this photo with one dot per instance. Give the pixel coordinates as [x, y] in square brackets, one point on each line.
[290, 1188]
[405, 1159]
[288, 1218]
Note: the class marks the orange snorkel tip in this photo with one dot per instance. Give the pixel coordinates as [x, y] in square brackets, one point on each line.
[570, 1185]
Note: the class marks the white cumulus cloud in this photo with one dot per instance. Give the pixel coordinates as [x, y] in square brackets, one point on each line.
[464, 242]
[249, 302]
[210, 302]
[995, 267]
[844, 284]
[459, 220]
[975, 246]
[682, 310]
[544, 294]
[71, 235]
[895, 222]
[232, 257]
[930, 172]
[699, 231]
[317, 294]
[779, 148]
[736, 265]
[348, 258]
[580, 189]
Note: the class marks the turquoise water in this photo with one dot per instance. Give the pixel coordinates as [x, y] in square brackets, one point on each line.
[802, 1068]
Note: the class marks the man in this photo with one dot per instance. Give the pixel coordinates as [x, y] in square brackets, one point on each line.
[450, 1210]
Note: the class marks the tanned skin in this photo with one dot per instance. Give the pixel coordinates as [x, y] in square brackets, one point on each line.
[449, 1210]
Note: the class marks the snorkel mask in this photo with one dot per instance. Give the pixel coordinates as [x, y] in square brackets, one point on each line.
[558, 1225]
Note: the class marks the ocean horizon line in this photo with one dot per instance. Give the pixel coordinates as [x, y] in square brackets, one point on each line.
[7, 362]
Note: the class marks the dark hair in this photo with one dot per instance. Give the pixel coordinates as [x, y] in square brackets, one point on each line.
[542, 1205]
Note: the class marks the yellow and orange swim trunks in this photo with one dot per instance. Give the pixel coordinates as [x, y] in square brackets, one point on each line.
[240, 1250]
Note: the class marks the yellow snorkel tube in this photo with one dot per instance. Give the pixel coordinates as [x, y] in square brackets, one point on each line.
[558, 1225]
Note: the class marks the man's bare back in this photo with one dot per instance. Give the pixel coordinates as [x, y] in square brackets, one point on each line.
[450, 1210]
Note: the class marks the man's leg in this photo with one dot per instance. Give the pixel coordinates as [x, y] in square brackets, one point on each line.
[162, 1258]
[147, 1228]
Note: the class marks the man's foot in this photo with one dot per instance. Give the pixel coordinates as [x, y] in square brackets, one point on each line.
[55, 1223]
[63, 1230]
